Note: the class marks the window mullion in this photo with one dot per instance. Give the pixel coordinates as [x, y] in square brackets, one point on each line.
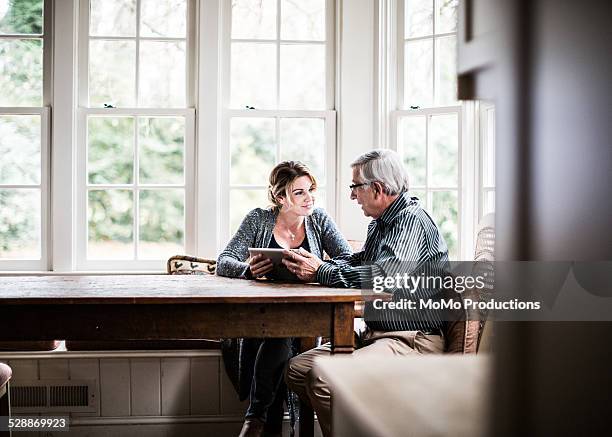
[278, 60]
[137, 83]
[136, 189]
[433, 51]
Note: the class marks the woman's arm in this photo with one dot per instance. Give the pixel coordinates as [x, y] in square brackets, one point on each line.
[232, 261]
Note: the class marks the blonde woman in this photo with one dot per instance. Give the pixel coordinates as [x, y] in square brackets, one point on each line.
[292, 222]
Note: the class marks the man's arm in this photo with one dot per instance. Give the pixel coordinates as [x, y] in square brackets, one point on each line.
[403, 249]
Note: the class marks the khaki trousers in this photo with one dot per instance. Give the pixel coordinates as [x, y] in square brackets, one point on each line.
[303, 379]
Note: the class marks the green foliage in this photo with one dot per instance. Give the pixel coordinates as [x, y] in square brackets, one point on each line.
[110, 152]
[19, 220]
[20, 59]
[110, 215]
[161, 143]
[111, 161]
[22, 16]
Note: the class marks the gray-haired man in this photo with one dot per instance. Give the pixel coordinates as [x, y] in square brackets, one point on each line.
[401, 236]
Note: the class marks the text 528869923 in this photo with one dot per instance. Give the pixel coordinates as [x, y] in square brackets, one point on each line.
[34, 423]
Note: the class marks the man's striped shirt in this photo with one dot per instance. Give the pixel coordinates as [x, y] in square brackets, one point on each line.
[404, 239]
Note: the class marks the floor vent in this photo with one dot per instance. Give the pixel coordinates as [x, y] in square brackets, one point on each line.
[31, 396]
[50, 396]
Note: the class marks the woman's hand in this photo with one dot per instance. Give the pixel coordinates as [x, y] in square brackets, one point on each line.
[259, 265]
[302, 263]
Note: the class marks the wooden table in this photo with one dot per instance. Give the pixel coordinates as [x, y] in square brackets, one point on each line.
[157, 307]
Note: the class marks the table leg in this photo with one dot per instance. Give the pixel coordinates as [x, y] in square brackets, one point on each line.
[343, 338]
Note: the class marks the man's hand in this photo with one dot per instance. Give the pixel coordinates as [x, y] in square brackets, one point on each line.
[259, 265]
[302, 263]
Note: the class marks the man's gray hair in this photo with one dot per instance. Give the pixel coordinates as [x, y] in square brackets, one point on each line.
[384, 166]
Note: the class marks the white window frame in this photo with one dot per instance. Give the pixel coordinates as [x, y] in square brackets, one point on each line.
[328, 114]
[189, 157]
[486, 110]
[396, 116]
[43, 263]
[389, 87]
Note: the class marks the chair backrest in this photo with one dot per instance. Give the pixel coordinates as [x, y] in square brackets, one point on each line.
[485, 257]
[190, 265]
[464, 334]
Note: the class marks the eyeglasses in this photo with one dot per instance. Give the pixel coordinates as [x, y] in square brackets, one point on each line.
[353, 187]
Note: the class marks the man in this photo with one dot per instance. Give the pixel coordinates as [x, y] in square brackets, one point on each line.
[402, 238]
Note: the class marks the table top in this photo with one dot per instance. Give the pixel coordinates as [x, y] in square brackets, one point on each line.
[162, 289]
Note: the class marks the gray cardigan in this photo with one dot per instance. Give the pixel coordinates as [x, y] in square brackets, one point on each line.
[257, 228]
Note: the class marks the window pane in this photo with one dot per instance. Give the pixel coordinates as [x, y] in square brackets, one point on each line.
[488, 202]
[112, 17]
[253, 150]
[21, 17]
[110, 153]
[162, 74]
[303, 139]
[20, 232]
[418, 66]
[20, 149]
[163, 18]
[444, 210]
[241, 202]
[162, 223]
[253, 75]
[413, 142]
[418, 18]
[254, 19]
[110, 218]
[488, 150]
[161, 145]
[446, 16]
[302, 76]
[421, 195]
[444, 158]
[446, 70]
[303, 20]
[21, 72]
[112, 72]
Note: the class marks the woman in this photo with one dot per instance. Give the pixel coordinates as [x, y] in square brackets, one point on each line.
[292, 222]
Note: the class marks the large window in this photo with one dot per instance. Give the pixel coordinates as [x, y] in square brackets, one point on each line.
[428, 118]
[448, 146]
[136, 133]
[24, 127]
[279, 98]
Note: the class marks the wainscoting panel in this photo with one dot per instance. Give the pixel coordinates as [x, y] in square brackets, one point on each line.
[175, 380]
[205, 385]
[53, 369]
[115, 387]
[87, 369]
[146, 386]
[229, 399]
[24, 369]
[141, 393]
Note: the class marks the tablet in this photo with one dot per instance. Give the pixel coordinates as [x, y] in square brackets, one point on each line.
[275, 255]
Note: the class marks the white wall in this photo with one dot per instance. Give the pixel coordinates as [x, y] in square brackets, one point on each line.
[355, 104]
